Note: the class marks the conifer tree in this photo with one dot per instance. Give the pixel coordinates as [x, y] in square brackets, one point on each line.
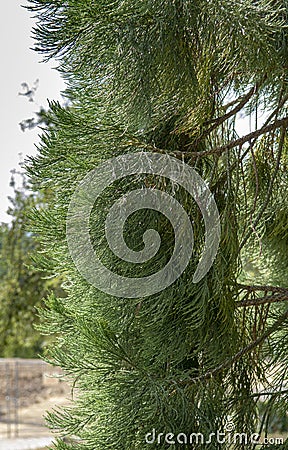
[170, 78]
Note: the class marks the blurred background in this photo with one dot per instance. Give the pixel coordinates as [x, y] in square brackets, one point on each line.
[20, 64]
[27, 385]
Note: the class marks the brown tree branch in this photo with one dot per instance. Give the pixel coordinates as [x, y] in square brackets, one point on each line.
[255, 288]
[229, 362]
[263, 300]
[243, 101]
[239, 142]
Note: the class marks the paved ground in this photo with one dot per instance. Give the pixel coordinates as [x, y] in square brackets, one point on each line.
[31, 422]
[25, 444]
[28, 389]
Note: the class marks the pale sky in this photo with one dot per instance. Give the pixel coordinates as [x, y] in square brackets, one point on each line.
[20, 64]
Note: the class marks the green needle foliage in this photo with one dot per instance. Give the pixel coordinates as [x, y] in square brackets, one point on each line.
[170, 77]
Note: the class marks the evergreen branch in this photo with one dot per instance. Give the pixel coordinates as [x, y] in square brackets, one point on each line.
[270, 188]
[229, 362]
[252, 143]
[276, 393]
[275, 112]
[247, 138]
[243, 101]
[263, 300]
[255, 288]
[239, 142]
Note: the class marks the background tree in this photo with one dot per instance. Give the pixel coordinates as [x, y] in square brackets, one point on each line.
[170, 77]
[22, 287]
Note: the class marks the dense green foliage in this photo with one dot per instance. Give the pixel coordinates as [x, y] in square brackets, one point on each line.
[170, 77]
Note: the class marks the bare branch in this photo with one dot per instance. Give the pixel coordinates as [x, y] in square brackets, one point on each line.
[255, 288]
[239, 142]
[263, 300]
